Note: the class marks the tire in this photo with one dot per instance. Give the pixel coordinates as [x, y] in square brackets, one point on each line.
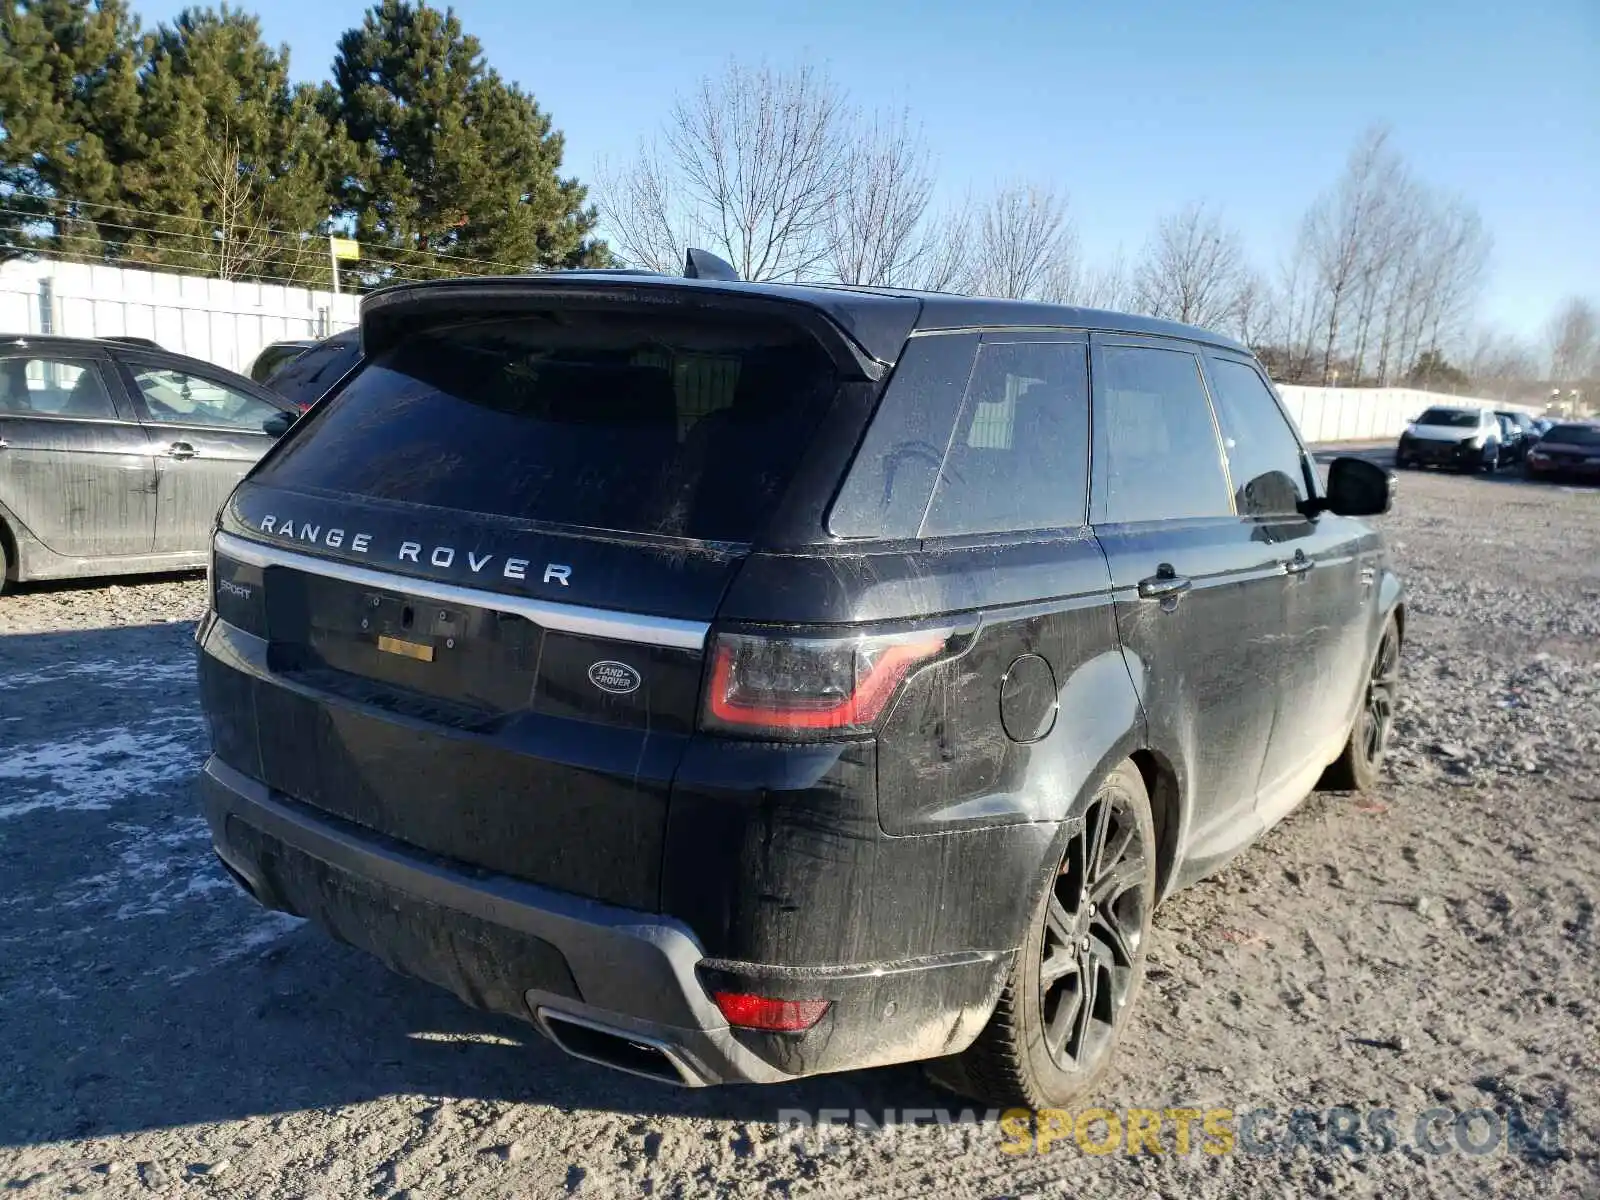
[1491, 462]
[1099, 947]
[1361, 761]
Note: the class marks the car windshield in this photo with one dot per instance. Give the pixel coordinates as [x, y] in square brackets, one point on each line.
[1457, 418]
[1575, 435]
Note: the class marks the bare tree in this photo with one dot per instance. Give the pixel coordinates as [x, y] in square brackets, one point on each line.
[1573, 340]
[752, 163]
[1298, 315]
[944, 257]
[1106, 285]
[642, 210]
[1193, 269]
[1024, 244]
[875, 234]
[1253, 308]
[1385, 270]
[1341, 228]
[1497, 362]
[242, 238]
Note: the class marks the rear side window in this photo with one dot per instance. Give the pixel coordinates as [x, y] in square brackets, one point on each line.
[1156, 451]
[1019, 457]
[1263, 456]
[56, 387]
[640, 424]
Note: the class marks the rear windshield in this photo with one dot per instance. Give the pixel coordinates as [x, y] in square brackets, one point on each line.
[1575, 435]
[1459, 418]
[651, 424]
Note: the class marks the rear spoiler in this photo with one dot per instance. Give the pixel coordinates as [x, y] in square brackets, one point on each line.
[862, 332]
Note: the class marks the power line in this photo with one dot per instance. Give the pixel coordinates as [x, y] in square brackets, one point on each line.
[215, 246]
[146, 212]
[68, 256]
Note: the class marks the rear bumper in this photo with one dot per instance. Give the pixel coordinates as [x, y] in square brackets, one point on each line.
[622, 987]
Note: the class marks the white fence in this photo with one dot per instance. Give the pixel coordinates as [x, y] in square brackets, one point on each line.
[1365, 414]
[218, 320]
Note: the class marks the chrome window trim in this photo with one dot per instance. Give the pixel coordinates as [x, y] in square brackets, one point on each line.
[567, 618]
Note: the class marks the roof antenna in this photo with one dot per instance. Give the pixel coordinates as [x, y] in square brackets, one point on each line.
[702, 264]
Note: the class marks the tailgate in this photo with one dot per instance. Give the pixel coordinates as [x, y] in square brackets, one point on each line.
[483, 572]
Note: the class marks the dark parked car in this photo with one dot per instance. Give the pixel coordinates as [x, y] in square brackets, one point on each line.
[305, 378]
[748, 681]
[274, 355]
[1570, 450]
[116, 456]
[1521, 432]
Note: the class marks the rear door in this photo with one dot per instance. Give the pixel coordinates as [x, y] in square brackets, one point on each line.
[74, 466]
[1326, 610]
[1198, 595]
[489, 563]
[204, 434]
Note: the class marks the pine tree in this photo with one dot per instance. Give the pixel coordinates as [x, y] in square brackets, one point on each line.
[69, 112]
[457, 170]
[245, 164]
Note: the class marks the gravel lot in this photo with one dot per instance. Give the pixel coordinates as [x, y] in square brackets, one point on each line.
[1432, 945]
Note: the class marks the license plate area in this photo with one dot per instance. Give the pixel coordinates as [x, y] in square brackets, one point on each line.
[388, 647]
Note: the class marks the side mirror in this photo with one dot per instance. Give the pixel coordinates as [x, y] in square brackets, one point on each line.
[278, 423]
[1358, 488]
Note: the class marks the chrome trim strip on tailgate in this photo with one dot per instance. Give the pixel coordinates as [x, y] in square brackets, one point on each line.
[568, 618]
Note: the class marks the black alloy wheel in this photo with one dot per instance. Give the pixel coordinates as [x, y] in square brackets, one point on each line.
[1094, 923]
[1359, 764]
[1073, 984]
[1375, 722]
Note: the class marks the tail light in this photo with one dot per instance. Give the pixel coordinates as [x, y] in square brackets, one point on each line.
[794, 688]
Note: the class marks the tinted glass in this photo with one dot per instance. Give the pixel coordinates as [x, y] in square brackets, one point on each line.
[886, 492]
[1450, 417]
[1019, 457]
[307, 377]
[56, 387]
[1574, 435]
[1263, 456]
[273, 357]
[1154, 438]
[647, 425]
[178, 398]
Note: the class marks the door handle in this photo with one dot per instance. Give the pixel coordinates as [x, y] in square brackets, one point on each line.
[181, 450]
[1299, 564]
[1165, 584]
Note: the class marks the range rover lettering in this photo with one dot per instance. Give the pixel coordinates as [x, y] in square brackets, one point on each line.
[874, 662]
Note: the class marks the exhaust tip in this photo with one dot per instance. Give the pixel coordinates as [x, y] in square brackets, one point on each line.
[617, 1049]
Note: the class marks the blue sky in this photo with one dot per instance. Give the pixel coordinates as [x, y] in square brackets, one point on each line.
[1133, 108]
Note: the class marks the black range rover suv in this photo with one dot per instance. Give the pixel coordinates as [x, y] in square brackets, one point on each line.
[748, 681]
